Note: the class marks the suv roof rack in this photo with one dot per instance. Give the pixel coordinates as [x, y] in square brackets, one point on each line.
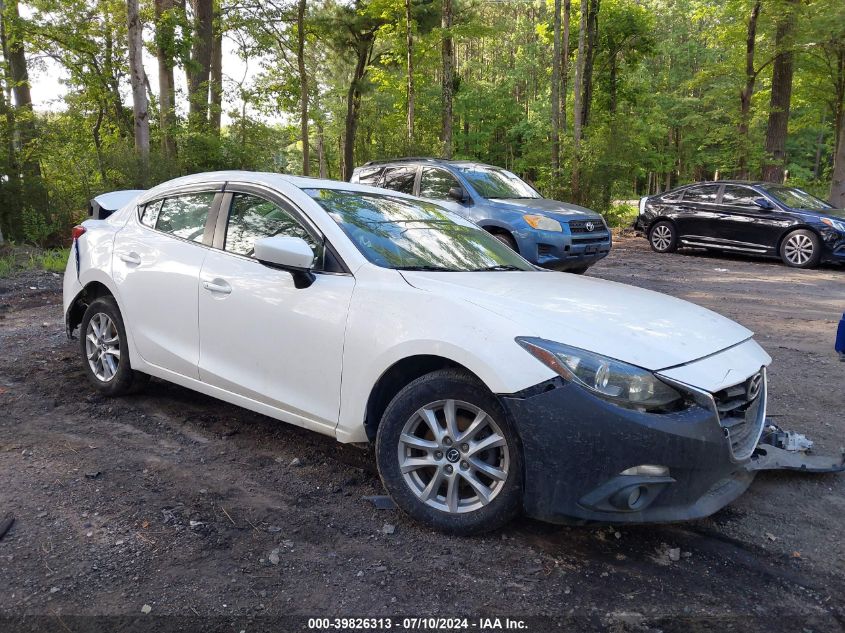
[406, 159]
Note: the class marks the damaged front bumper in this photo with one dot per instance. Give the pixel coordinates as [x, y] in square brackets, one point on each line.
[587, 460]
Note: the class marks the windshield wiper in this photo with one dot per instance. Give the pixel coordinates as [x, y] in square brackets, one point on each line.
[496, 268]
[428, 268]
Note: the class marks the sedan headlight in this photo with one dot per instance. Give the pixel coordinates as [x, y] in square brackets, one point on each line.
[620, 383]
[839, 225]
[542, 223]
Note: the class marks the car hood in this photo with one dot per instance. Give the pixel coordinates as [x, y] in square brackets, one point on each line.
[839, 214]
[547, 207]
[637, 326]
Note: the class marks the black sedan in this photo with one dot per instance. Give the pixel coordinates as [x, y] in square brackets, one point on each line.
[745, 217]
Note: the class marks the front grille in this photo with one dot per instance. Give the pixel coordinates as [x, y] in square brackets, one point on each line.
[741, 416]
[589, 240]
[580, 226]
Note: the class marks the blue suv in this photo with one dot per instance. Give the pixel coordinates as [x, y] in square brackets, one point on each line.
[546, 232]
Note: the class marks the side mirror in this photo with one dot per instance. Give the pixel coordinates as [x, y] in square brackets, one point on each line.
[288, 253]
[458, 193]
[764, 204]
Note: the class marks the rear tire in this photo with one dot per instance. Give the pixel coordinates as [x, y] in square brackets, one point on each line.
[462, 462]
[104, 350]
[663, 237]
[801, 249]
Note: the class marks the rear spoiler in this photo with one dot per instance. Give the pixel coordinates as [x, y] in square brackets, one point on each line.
[105, 204]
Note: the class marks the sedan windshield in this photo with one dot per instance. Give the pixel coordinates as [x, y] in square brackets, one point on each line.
[796, 199]
[493, 182]
[406, 234]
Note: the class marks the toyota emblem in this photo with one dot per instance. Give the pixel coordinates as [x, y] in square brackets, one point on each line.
[755, 383]
[590, 226]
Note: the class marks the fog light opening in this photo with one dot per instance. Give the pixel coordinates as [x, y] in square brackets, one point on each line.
[632, 498]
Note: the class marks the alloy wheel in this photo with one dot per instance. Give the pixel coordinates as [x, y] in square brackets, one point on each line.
[102, 346]
[798, 249]
[453, 456]
[661, 237]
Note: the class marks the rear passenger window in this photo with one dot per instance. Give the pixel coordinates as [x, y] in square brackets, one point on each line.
[368, 175]
[704, 193]
[185, 216]
[252, 218]
[149, 214]
[400, 179]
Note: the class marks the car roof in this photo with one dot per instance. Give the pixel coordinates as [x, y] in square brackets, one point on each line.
[271, 179]
[748, 183]
[426, 159]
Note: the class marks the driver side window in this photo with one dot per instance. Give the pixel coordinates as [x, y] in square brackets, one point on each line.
[252, 218]
[435, 183]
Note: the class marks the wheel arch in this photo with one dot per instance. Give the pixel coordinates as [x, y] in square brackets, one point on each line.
[397, 377]
[91, 291]
[798, 227]
[661, 218]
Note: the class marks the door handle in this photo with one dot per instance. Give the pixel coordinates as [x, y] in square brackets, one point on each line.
[217, 285]
[131, 258]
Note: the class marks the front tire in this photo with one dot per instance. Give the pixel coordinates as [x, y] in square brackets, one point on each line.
[447, 455]
[105, 354]
[801, 249]
[507, 240]
[663, 237]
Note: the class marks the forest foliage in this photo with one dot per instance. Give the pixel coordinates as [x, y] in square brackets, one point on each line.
[591, 100]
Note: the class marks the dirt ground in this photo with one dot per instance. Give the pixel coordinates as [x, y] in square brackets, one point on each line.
[199, 509]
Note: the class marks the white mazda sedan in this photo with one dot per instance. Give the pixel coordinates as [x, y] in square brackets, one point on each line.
[487, 386]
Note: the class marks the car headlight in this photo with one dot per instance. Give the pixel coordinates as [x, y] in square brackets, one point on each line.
[542, 223]
[839, 225]
[620, 383]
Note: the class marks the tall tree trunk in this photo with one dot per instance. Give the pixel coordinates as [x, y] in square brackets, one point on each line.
[578, 110]
[198, 70]
[165, 43]
[747, 92]
[321, 151]
[138, 81]
[448, 78]
[10, 201]
[215, 74]
[776, 131]
[837, 183]
[564, 62]
[409, 37]
[556, 90]
[353, 103]
[592, 47]
[34, 194]
[303, 87]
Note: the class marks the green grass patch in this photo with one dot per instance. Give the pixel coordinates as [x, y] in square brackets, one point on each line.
[19, 258]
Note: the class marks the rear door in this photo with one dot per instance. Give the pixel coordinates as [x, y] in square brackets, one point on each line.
[156, 264]
[745, 224]
[261, 337]
[698, 213]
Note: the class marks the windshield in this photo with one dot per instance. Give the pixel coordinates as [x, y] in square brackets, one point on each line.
[795, 198]
[493, 182]
[406, 234]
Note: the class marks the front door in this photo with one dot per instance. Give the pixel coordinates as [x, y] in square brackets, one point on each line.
[435, 184]
[262, 337]
[747, 225]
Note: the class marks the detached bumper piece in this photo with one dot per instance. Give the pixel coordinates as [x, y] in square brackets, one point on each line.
[787, 450]
[840, 339]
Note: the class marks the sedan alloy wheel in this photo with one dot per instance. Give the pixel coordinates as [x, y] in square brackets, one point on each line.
[102, 346]
[453, 456]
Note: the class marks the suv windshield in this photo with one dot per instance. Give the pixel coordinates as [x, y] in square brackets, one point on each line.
[494, 182]
[406, 234]
[795, 198]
